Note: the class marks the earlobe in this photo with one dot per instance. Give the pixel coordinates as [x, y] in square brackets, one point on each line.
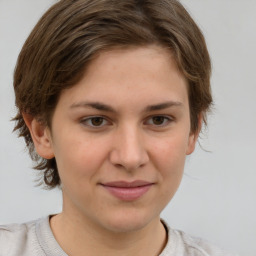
[193, 137]
[40, 135]
[191, 143]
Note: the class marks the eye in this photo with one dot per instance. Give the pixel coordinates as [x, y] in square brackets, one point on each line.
[95, 121]
[159, 120]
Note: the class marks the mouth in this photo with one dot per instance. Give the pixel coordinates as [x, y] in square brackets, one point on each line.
[128, 191]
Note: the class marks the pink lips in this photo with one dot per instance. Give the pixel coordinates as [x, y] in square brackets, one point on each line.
[128, 191]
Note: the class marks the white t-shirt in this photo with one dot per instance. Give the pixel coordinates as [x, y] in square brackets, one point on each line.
[35, 238]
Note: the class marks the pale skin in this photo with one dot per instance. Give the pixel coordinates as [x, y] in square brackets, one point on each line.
[127, 119]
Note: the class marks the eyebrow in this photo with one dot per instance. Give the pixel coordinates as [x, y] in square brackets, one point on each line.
[107, 108]
[163, 105]
[95, 105]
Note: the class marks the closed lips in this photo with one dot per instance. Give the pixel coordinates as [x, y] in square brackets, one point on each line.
[125, 184]
[127, 191]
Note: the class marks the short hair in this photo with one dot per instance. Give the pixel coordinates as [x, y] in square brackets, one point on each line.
[72, 32]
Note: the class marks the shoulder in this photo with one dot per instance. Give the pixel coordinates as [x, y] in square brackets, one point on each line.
[15, 239]
[183, 244]
[197, 246]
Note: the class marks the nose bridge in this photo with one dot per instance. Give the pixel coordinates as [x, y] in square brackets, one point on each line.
[129, 150]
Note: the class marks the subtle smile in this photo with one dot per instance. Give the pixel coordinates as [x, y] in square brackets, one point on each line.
[128, 191]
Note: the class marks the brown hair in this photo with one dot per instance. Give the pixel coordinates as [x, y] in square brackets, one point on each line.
[72, 32]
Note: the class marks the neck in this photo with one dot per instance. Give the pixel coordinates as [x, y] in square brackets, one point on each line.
[76, 236]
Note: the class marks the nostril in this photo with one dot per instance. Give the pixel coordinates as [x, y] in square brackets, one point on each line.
[118, 166]
[128, 150]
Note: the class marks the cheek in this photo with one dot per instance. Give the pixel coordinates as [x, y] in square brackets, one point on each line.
[78, 157]
[169, 159]
[171, 150]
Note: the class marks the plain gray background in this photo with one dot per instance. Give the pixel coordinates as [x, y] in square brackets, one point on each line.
[217, 198]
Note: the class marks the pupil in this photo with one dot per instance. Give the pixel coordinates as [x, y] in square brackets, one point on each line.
[96, 121]
[158, 120]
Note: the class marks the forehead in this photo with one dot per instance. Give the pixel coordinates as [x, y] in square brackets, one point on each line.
[149, 60]
[130, 75]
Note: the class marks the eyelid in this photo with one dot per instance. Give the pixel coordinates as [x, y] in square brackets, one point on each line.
[89, 118]
[106, 122]
[168, 120]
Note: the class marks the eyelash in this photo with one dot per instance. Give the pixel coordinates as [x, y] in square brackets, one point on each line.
[166, 119]
[88, 121]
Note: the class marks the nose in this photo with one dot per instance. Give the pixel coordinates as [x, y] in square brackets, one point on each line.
[128, 151]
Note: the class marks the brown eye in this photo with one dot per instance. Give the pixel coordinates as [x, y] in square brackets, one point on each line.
[158, 120]
[95, 122]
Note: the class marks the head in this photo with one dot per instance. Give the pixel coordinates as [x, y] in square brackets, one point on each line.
[72, 34]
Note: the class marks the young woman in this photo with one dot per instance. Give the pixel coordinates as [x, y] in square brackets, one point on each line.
[111, 97]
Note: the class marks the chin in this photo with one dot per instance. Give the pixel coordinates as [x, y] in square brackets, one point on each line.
[127, 222]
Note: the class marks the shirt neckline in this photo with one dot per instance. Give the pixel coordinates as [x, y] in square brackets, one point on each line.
[50, 246]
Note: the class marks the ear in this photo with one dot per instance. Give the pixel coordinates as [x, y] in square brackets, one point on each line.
[194, 136]
[41, 136]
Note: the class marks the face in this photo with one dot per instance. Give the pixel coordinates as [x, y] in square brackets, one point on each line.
[120, 138]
